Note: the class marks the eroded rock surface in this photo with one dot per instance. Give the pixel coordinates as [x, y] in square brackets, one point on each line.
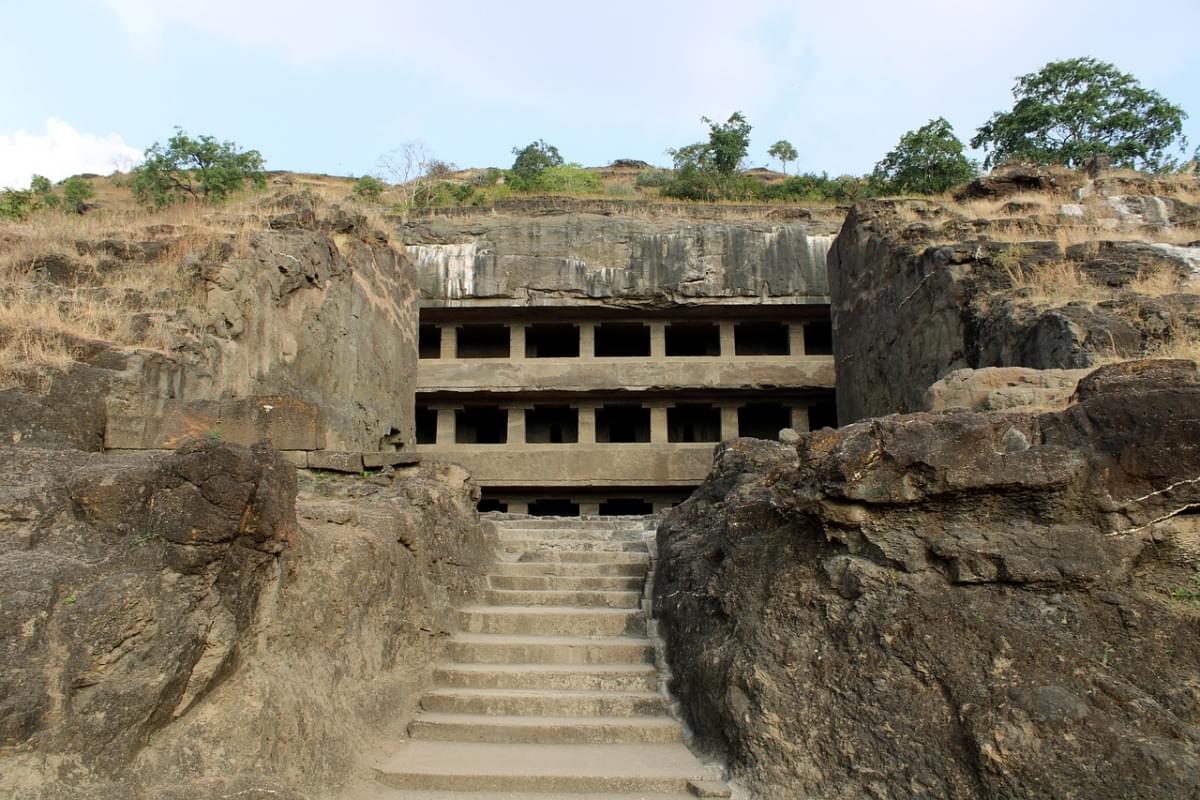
[309, 303]
[173, 628]
[576, 252]
[1068, 274]
[960, 605]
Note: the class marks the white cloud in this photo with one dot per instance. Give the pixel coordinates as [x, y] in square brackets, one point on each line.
[60, 152]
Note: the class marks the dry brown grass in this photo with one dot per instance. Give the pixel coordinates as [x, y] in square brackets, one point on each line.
[40, 323]
[999, 208]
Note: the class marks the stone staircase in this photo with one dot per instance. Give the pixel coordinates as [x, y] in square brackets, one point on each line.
[552, 690]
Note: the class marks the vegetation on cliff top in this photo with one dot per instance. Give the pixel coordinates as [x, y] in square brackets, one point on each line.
[1073, 110]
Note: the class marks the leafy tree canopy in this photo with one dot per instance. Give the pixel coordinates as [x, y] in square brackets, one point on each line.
[709, 170]
[199, 169]
[784, 152]
[728, 142]
[1072, 110]
[925, 161]
[533, 159]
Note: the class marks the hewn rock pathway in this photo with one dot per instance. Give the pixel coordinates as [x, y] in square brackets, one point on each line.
[552, 688]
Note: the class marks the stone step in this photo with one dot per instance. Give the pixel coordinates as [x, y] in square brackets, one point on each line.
[627, 583]
[544, 730]
[530, 567]
[386, 793]
[542, 703]
[578, 523]
[552, 621]
[570, 546]
[586, 534]
[600, 771]
[586, 557]
[489, 648]
[588, 598]
[581, 677]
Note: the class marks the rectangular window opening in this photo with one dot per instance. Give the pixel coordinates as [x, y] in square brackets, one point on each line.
[487, 504]
[482, 341]
[622, 340]
[761, 339]
[426, 420]
[822, 414]
[693, 339]
[763, 420]
[481, 425]
[693, 422]
[622, 424]
[818, 338]
[552, 340]
[553, 507]
[429, 341]
[552, 425]
[625, 507]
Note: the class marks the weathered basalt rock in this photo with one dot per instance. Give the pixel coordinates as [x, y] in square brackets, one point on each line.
[316, 307]
[1002, 388]
[172, 628]
[959, 605]
[909, 308]
[581, 254]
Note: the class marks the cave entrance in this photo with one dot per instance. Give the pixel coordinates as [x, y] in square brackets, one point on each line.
[763, 420]
[622, 424]
[553, 507]
[625, 507]
[622, 340]
[426, 423]
[558, 424]
[429, 341]
[482, 341]
[818, 338]
[552, 340]
[693, 339]
[822, 414]
[693, 422]
[481, 425]
[761, 339]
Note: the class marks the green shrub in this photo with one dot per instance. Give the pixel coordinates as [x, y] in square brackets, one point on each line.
[17, 204]
[810, 187]
[369, 189]
[488, 177]
[653, 178]
[566, 179]
[76, 192]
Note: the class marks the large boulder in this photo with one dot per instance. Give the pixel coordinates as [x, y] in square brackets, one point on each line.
[181, 626]
[957, 605]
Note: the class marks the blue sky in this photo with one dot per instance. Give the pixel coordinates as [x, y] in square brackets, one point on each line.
[329, 87]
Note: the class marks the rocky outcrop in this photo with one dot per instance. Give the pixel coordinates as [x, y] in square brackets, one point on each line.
[1002, 388]
[920, 289]
[173, 628]
[309, 304]
[960, 605]
[570, 254]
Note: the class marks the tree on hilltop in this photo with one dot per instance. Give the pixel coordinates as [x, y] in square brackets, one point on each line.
[1069, 111]
[928, 160]
[784, 152]
[532, 160]
[709, 170]
[200, 169]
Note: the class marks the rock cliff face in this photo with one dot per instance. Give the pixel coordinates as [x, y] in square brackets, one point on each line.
[309, 303]
[571, 252]
[960, 605]
[172, 628]
[1047, 281]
